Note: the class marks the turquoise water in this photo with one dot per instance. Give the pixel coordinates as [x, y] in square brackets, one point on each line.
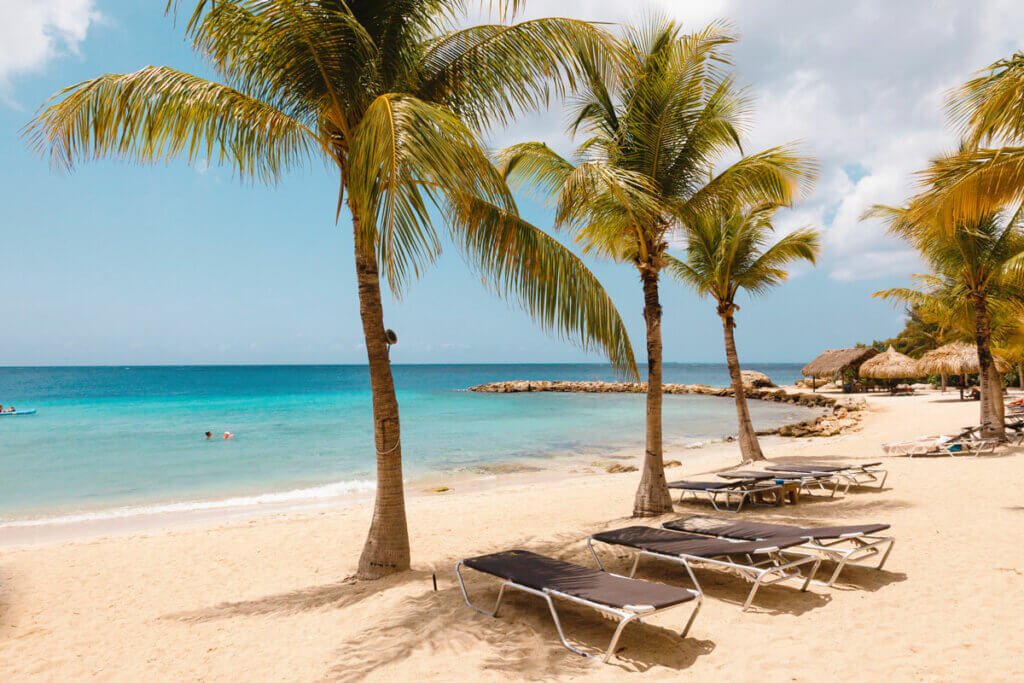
[120, 437]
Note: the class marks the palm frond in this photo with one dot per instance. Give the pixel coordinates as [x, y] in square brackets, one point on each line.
[972, 183]
[406, 156]
[534, 165]
[550, 282]
[158, 113]
[489, 73]
[991, 105]
[775, 176]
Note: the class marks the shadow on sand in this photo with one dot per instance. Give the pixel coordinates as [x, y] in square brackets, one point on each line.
[523, 638]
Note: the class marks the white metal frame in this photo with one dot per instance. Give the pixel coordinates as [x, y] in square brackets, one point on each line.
[805, 480]
[863, 547]
[852, 474]
[972, 447]
[760, 573]
[625, 615]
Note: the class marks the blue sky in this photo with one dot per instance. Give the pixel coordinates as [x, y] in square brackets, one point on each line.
[120, 264]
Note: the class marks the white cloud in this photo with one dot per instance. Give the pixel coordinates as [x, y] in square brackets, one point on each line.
[33, 32]
[860, 83]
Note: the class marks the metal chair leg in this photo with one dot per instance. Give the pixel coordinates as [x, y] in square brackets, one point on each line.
[465, 594]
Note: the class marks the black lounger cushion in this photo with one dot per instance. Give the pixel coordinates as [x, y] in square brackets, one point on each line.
[805, 468]
[758, 476]
[679, 543]
[702, 485]
[751, 531]
[540, 572]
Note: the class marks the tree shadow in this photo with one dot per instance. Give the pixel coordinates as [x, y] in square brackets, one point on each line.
[337, 595]
[523, 637]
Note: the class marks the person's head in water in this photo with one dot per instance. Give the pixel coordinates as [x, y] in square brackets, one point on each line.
[209, 435]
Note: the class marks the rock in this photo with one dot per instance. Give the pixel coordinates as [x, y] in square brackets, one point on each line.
[616, 468]
[672, 463]
[752, 379]
[439, 489]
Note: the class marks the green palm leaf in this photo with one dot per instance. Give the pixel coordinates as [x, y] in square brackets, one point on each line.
[158, 113]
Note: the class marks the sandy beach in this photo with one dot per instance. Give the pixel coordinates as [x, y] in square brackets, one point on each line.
[267, 598]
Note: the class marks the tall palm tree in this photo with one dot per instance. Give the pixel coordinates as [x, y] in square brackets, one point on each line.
[655, 131]
[976, 280]
[390, 95]
[730, 250]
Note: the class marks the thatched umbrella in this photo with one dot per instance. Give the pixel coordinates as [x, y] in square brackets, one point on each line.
[890, 365]
[834, 361]
[958, 358]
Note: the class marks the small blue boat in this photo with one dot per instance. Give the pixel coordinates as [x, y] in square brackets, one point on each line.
[30, 411]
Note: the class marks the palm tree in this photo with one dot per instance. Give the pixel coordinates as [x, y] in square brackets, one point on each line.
[390, 95]
[656, 131]
[976, 281]
[728, 251]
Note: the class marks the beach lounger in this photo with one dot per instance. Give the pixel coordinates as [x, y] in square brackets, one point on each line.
[855, 475]
[1017, 427]
[625, 598]
[804, 479]
[739, 492]
[690, 550]
[844, 545]
[967, 443]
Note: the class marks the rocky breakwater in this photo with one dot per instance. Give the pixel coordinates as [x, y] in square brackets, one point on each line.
[841, 415]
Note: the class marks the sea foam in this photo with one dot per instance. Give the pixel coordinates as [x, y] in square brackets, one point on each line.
[332, 490]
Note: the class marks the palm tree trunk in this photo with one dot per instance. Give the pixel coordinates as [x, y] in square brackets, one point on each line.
[1020, 375]
[943, 382]
[998, 407]
[652, 496]
[992, 423]
[749, 447]
[387, 544]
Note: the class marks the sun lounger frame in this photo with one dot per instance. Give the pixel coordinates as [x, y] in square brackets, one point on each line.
[969, 448]
[774, 569]
[864, 547]
[744, 489]
[806, 481]
[625, 616]
[851, 474]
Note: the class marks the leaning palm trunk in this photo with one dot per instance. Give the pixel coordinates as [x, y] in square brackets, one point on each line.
[749, 446]
[652, 496]
[992, 423]
[387, 544]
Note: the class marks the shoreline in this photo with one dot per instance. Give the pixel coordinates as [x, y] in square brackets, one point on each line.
[497, 476]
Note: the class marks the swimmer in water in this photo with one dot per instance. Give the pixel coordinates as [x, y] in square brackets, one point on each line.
[228, 435]
[209, 435]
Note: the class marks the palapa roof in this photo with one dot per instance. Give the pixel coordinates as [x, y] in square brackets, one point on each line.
[834, 361]
[890, 365]
[958, 358]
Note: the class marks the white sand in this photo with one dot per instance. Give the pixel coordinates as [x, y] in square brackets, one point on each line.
[266, 598]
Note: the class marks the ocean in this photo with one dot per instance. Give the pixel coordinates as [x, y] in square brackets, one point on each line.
[117, 441]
